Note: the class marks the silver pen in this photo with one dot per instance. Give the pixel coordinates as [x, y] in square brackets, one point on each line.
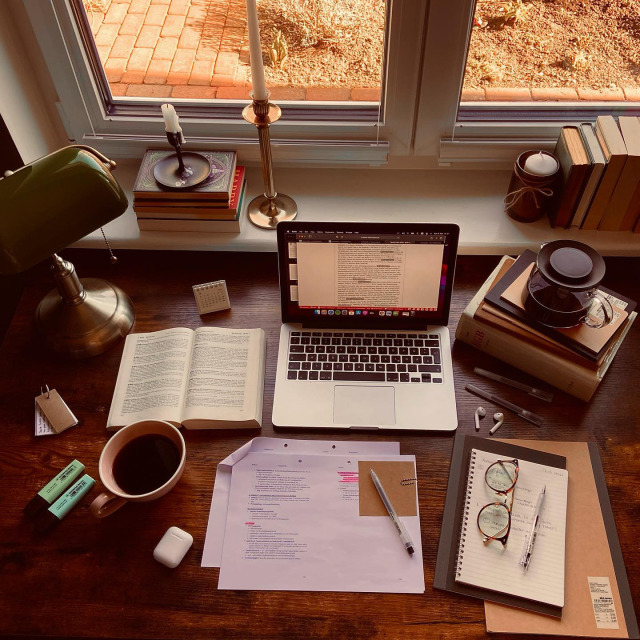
[530, 540]
[404, 536]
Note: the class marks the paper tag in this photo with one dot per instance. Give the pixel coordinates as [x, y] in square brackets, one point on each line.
[43, 426]
[604, 608]
[56, 411]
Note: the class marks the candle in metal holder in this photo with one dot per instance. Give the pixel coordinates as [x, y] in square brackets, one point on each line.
[184, 169]
[267, 210]
[531, 195]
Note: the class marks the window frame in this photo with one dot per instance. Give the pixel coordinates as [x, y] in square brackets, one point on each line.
[324, 132]
[420, 122]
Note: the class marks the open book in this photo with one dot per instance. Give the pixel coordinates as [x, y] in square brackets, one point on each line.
[492, 566]
[207, 378]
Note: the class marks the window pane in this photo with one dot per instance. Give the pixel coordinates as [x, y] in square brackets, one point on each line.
[329, 50]
[553, 50]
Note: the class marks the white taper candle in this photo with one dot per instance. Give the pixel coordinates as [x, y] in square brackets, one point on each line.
[170, 118]
[257, 70]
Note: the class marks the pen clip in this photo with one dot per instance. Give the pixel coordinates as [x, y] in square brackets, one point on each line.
[525, 558]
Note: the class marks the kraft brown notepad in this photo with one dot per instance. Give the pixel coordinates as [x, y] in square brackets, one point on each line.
[399, 481]
[592, 551]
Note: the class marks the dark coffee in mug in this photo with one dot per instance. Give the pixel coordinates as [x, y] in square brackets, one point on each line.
[145, 463]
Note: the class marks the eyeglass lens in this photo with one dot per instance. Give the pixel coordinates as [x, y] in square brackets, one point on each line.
[502, 476]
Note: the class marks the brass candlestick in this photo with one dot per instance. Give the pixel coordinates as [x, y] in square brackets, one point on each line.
[267, 210]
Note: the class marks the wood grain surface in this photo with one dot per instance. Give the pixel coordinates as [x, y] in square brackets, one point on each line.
[97, 578]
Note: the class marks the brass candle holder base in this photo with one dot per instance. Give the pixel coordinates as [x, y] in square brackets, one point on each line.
[267, 210]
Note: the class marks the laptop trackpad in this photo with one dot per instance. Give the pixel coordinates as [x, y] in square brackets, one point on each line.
[364, 406]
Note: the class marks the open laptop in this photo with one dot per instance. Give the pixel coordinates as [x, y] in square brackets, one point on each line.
[364, 344]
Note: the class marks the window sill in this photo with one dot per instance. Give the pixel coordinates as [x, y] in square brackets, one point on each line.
[472, 199]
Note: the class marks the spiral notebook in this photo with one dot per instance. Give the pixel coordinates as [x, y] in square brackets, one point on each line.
[485, 571]
[492, 566]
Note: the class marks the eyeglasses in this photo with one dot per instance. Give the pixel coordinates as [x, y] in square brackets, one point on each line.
[494, 519]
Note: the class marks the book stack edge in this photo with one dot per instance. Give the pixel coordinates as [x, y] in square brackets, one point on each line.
[484, 327]
[214, 206]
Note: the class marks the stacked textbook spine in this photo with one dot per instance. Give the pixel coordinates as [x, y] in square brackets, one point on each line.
[214, 206]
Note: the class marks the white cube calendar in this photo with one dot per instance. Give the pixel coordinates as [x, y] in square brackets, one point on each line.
[212, 296]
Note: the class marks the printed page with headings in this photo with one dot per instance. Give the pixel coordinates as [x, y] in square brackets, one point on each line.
[498, 568]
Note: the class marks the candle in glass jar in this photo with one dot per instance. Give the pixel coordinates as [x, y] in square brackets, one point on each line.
[541, 164]
[255, 53]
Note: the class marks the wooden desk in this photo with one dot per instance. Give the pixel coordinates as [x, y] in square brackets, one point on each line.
[97, 578]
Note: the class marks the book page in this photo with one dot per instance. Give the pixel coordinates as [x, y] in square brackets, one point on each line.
[152, 377]
[498, 568]
[226, 377]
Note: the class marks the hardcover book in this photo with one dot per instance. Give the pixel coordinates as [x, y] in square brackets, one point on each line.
[598, 163]
[615, 153]
[615, 217]
[576, 167]
[216, 186]
[195, 209]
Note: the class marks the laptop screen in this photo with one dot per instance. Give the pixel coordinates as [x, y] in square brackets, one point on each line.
[366, 274]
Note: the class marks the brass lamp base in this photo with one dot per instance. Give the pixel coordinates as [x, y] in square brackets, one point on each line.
[267, 212]
[83, 318]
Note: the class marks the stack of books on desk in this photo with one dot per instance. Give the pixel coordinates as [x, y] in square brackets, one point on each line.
[601, 176]
[573, 364]
[212, 207]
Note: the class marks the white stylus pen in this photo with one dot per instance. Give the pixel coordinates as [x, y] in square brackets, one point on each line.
[404, 536]
[527, 551]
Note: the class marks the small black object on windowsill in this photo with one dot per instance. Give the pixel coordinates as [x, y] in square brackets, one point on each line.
[532, 189]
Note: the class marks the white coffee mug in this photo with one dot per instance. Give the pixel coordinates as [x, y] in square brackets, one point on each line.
[114, 497]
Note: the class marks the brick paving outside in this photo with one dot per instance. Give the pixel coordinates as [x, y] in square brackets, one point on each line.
[186, 49]
[199, 49]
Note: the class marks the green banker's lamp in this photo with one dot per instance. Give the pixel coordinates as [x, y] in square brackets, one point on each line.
[45, 206]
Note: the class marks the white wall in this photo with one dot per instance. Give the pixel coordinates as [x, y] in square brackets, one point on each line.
[27, 97]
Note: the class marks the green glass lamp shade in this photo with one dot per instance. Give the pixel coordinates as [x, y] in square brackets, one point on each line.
[53, 202]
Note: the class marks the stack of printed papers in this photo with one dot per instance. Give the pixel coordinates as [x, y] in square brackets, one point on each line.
[286, 515]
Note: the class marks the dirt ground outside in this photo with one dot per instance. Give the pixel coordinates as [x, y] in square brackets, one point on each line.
[583, 44]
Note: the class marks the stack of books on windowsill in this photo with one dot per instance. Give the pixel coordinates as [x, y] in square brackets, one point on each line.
[570, 360]
[601, 176]
[214, 206]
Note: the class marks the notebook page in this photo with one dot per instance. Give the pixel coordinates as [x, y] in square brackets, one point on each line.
[498, 568]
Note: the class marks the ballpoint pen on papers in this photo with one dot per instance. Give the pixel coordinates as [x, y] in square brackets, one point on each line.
[532, 391]
[530, 540]
[404, 536]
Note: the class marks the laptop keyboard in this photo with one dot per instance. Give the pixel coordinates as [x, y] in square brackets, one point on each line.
[364, 357]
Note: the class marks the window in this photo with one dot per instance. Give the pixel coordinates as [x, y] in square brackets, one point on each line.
[419, 122]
